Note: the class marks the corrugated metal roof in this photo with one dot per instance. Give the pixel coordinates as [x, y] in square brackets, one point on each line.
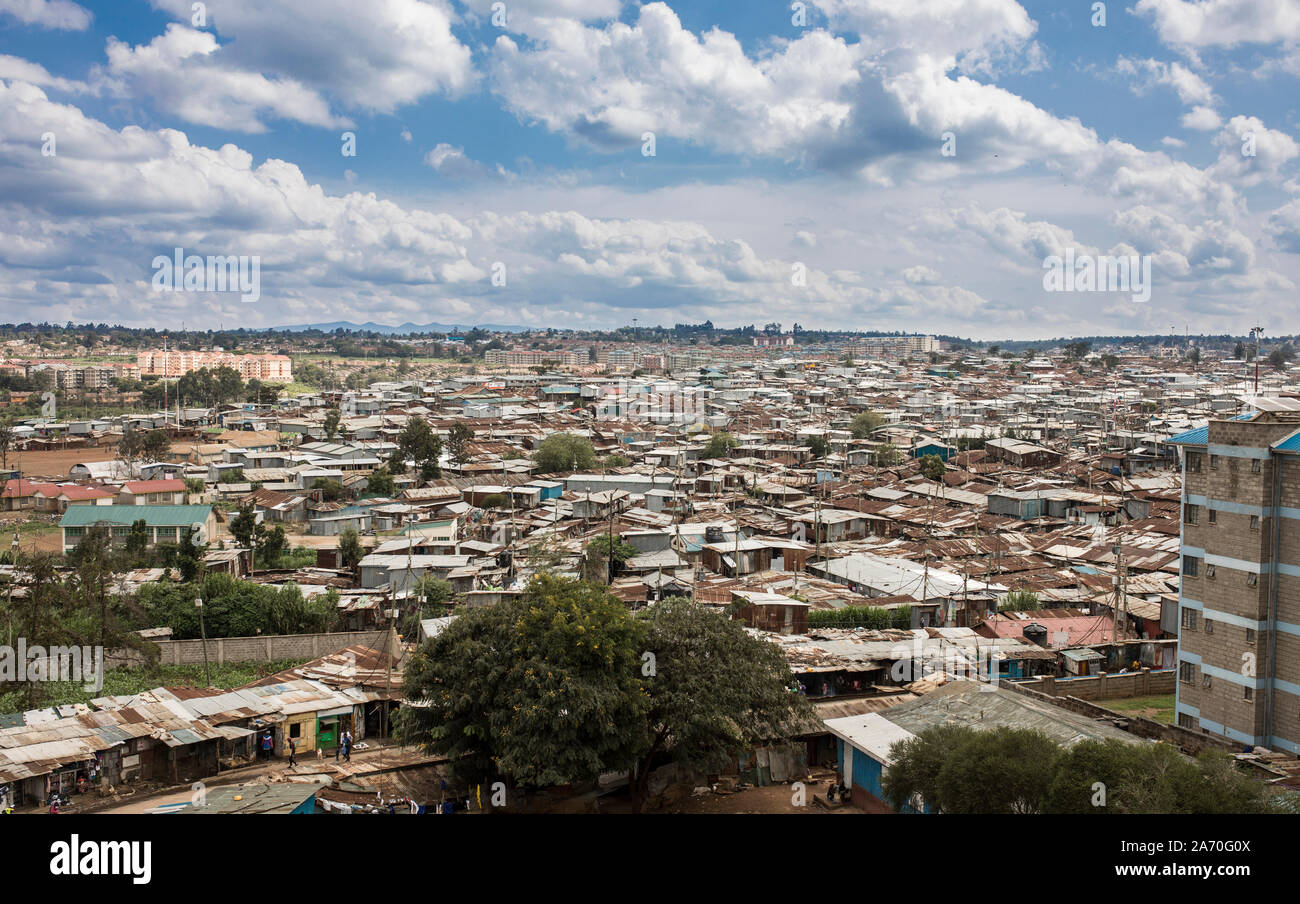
[153, 515]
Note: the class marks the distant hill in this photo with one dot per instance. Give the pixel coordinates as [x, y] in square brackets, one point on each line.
[405, 328]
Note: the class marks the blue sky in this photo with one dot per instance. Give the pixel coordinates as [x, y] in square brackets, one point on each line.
[797, 173]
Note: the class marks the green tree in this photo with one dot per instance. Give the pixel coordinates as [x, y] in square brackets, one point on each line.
[720, 445]
[143, 445]
[616, 461]
[714, 689]
[932, 467]
[863, 424]
[332, 419]
[243, 526]
[819, 446]
[458, 439]
[543, 687]
[602, 553]
[136, 548]
[888, 455]
[381, 482]
[350, 550]
[1019, 601]
[418, 443]
[564, 452]
[330, 490]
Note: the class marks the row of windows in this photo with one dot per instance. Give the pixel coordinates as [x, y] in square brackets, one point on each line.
[1187, 675]
[1192, 616]
[1194, 463]
[1192, 515]
[1192, 569]
[164, 533]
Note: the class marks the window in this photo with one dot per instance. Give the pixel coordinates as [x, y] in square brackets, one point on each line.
[1209, 626]
[1186, 721]
[1191, 566]
[1209, 572]
[1252, 579]
[1250, 693]
[295, 730]
[1207, 680]
[1250, 635]
[1191, 513]
[1254, 522]
[1186, 672]
[1194, 462]
[1214, 462]
[1214, 515]
[1189, 618]
[1255, 465]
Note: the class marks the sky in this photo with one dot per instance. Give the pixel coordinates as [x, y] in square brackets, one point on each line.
[841, 164]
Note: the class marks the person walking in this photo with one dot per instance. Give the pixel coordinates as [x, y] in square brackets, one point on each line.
[267, 743]
[347, 746]
[293, 747]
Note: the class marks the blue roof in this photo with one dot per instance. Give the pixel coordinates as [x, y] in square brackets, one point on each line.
[1198, 437]
[1289, 444]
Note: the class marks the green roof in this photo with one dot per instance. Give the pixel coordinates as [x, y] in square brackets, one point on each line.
[153, 515]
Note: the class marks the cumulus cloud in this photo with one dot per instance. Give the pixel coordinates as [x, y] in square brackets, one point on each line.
[395, 53]
[12, 67]
[1190, 87]
[62, 15]
[1225, 23]
[185, 73]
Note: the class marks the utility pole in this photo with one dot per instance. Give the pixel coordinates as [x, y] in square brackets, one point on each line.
[1256, 332]
[207, 675]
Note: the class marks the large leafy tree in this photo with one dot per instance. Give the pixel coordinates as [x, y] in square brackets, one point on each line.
[143, 445]
[720, 445]
[417, 442]
[544, 688]
[958, 769]
[458, 439]
[862, 424]
[564, 452]
[714, 688]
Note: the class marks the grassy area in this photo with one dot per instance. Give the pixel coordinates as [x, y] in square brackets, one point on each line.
[227, 676]
[1160, 708]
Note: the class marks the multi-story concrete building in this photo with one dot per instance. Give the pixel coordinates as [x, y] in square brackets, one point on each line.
[1239, 597]
[267, 368]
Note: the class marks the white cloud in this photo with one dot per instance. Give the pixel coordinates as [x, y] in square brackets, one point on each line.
[185, 73]
[1202, 119]
[1190, 87]
[12, 67]
[1225, 23]
[62, 15]
[395, 53]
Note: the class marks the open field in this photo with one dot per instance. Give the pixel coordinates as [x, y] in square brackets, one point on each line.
[1159, 708]
[54, 463]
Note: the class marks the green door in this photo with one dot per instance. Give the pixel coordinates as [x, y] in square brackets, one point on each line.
[326, 732]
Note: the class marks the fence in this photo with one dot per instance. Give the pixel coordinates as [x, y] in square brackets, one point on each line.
[265, 648]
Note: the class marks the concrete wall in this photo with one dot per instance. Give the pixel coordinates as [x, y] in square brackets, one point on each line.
[1145, 683]
[1190, 742]
[266, 648]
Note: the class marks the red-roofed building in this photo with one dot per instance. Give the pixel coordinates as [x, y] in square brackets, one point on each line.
[75, 494]
[1069, 629]
[152, 492]
[28, 494]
